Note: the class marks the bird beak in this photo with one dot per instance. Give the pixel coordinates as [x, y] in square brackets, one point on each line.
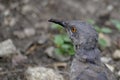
[62, 23]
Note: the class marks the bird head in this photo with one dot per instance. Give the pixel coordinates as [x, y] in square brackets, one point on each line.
[83, 35]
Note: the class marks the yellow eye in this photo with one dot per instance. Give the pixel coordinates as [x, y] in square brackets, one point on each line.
[73, 29]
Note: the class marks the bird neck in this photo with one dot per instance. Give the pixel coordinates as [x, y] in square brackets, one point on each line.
[91, 55]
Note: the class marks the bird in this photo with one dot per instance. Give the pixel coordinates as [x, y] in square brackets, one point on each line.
[86, 63]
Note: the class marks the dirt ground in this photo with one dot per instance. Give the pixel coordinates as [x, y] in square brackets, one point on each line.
[18, 16]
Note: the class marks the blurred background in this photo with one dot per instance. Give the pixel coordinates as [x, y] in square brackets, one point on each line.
[24, 24]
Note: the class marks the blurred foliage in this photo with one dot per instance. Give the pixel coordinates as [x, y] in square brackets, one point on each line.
[116, 23]
[103, 29]
[56, 26]
[62, 42]
[102, 42]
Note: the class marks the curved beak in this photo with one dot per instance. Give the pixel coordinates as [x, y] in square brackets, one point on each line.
[62, 23]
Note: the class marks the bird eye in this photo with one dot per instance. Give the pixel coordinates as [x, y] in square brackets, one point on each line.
[73, 29]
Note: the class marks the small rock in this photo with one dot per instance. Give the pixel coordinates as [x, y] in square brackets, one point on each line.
[1, 68]
[42, 73]
[110, 7]
[19, 34]
[61, 57]
[106, 38]
[118, 73]
[18, 59]
[110, 67]
[7, 48]
[116, 54]
[29, 32]
[9, 21]
[6, 12]
[26, 8]
[50, 51]
[12, 22]
[106, 59]
[43, 39]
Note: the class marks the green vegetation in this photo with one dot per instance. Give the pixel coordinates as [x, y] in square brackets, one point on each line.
[102, 42]
[116, 23]
[62, 42]
[63, 45]
[56, 26]
[103, 29]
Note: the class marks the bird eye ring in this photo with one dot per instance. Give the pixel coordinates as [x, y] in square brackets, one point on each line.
[73, 29]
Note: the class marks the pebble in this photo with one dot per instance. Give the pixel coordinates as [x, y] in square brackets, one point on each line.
[6, 12]
[110, 67]
[26, 8]
[61, 57]
[118, 73]
[9, 21]
[42, 73]
[110, 7]
[106, 59]
[7, 48]
[116, 54]
[43, 38]
[50, 52]
[12, 22]
[19, 34]
[29, 32]
[106, 38]
[18, 59]
[1, 68]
